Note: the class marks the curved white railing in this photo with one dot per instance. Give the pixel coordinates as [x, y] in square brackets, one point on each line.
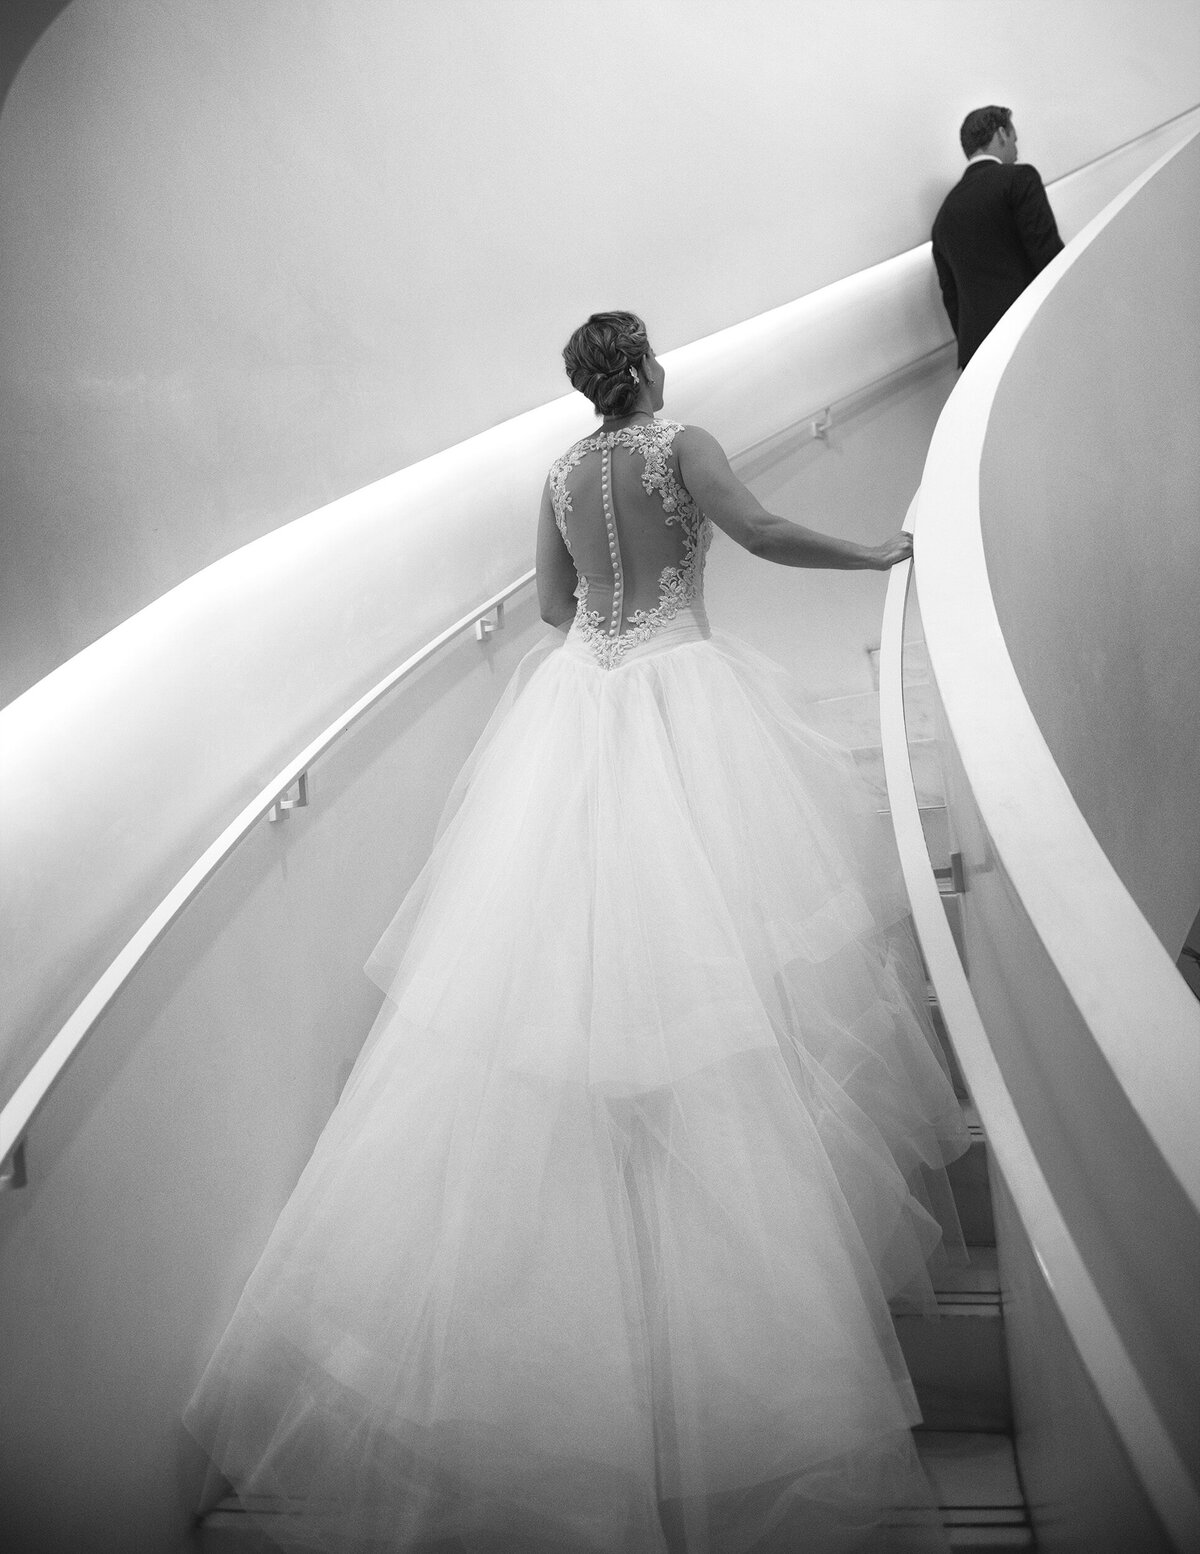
[1101, 944]
[125, 762]
[749, 384]
[1099, 1344]
[1126, 1001]
[35, 1089]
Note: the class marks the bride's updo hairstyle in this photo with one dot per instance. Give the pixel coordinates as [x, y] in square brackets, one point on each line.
[602, 358]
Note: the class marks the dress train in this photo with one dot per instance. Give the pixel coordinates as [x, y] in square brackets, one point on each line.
[596, 1250]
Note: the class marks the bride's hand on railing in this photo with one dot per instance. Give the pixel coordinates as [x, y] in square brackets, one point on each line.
[885, 556]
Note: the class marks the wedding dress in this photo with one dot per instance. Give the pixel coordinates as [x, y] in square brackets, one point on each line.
[596, 1250]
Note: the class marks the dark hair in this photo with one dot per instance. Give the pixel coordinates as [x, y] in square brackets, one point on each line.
[980, 125]
[602, 358]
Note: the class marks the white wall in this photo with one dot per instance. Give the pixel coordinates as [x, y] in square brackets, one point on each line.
[1074, 1471]
[858, 481]
[162, 1160]
[178, 1133]
[259, 255]
[1098, 601]
[125, 762]
[164, 1157]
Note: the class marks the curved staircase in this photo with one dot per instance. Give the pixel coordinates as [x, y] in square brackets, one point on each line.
[957, 1359]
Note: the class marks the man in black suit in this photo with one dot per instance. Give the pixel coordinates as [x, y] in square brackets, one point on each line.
[994, 232]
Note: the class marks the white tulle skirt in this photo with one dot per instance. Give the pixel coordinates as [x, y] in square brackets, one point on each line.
[596, 1251]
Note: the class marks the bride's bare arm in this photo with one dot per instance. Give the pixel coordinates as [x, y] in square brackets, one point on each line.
[733, 507]
[555, 569]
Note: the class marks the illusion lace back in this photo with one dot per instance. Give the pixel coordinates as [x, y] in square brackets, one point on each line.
[637, 538]
[595, 1252]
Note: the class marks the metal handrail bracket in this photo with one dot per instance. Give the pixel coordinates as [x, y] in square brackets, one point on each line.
[272, 800]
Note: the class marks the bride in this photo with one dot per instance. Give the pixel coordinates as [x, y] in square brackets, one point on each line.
[596, 1250]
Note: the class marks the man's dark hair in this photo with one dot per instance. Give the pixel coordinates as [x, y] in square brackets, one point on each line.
[980, 125]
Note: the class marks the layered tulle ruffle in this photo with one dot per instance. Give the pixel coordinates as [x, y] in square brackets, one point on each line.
[596, 1250]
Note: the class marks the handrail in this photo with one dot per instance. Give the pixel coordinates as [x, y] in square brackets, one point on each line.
[1097, 1340]
[33, 1091]
[1124, 145]
[45, 1073]
[815, 425]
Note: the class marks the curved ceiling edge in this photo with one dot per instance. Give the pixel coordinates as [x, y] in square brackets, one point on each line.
[20, 28]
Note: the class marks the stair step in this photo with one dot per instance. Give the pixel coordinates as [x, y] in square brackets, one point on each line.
[974, 1477]
[959, 1370]
[853, 720]
[943, 1036]
[957, 1359]
[973, 1474]
[228, 1529]
[953, 905]
[925, 759]
[969, 1182]
[988, 1538]
[954, 916]
[914, 663]
[935, 822]
[964, 1281]
[850, 720]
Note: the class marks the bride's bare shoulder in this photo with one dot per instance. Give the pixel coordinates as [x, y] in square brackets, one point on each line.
[695, 443]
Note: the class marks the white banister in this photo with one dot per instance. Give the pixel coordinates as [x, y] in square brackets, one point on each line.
[1101, 944]
[1096, 1338]
[1079, 1042]
[35, 1088]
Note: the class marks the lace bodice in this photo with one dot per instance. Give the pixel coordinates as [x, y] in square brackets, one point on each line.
[637, 538]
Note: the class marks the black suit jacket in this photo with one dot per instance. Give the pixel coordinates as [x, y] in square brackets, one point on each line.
[993, 234]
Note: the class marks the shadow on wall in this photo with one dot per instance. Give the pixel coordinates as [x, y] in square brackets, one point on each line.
[1189, 958]
[22, 22]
